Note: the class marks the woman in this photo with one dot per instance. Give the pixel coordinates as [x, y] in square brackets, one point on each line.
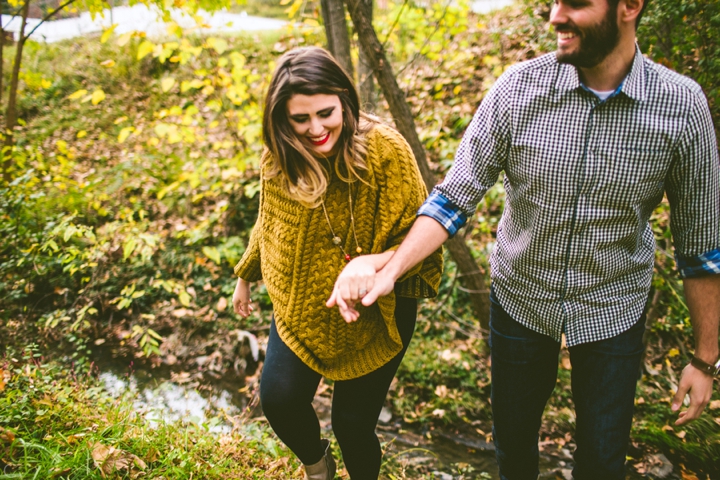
[338, 191]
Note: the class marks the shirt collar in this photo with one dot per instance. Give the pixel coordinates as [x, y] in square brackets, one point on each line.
[633, 85]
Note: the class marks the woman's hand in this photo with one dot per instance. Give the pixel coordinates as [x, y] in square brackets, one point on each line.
[241, 298]
[356, 279]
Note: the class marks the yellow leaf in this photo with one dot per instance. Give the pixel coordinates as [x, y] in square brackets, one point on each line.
[78, 94]
[167, 83]
[125, 133]
[124, 39]
[108, 63]
[145, 49]
[293, 9]
[45, 83]
[120, 119]
[217, 44]
[284, 2]
[674, 352]
[106, 34]
[162, 129]
[81, 134]
[97, 96]
[62, 146]
[184, 298]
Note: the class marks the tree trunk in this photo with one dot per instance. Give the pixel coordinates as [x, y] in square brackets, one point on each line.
[336, 31]
[366, 81]
[2, 47]
[11, 111]
[472, 278]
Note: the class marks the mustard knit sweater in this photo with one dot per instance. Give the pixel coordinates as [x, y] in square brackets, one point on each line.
[291, 249]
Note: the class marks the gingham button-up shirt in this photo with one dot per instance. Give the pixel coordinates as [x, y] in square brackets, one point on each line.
[575, 250]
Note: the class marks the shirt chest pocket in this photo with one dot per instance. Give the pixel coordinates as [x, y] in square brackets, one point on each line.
[623, 173]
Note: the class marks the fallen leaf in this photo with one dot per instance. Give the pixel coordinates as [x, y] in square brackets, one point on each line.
[221, 304]
[6, 435]
[714, 405]
[565, 362]
[111, 459]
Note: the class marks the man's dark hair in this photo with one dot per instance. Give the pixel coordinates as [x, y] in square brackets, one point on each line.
[614, 4]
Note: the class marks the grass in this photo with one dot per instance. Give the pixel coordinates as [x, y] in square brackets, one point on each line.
[55, 424]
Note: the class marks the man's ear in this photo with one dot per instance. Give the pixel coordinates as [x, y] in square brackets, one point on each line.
[629, 10]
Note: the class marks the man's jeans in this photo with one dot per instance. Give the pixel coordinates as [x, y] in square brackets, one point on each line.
[524, 372]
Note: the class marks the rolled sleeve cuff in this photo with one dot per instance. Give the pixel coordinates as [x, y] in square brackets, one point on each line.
[701, 266]
[444, 211]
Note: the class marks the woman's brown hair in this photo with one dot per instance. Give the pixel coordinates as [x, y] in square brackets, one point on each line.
[311, 71]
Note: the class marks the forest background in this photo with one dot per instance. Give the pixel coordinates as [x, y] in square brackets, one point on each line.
[130, 187]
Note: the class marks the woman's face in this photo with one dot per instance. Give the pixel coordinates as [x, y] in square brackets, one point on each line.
[317, 121]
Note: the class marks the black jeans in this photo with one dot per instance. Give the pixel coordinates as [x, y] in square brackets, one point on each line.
[524, 372]
[288, 386]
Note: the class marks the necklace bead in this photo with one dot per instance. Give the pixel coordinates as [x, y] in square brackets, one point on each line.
[336, 240]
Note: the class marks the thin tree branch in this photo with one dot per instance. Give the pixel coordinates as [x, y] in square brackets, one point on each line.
[48, 17]
[397, 20]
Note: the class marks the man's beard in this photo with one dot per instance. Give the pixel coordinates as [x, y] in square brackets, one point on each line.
[596, 42]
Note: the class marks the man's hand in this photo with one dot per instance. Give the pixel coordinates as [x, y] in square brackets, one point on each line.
[703, 301]
[384, 284]
[698, 386]
[241, 298]
[354, 282]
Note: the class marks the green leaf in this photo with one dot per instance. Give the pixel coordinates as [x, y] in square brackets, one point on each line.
[217, 44]
[167, 83]
[184, 298]
[212, 253]
[145, 49]
[69, 232]
[129, 247]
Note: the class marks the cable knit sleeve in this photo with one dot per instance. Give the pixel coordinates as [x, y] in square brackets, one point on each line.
[402, 193]
[248, 268]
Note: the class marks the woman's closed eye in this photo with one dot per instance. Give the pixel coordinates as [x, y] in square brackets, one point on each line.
[325, 113]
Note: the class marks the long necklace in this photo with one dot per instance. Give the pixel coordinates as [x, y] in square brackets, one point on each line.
[336, 240]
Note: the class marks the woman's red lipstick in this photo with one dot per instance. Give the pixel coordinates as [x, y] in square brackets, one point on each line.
[320, 142]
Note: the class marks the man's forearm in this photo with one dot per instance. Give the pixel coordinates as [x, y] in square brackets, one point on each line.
[425, 236]
[703, 299]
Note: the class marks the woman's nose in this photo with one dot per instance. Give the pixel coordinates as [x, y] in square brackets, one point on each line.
[316, 127]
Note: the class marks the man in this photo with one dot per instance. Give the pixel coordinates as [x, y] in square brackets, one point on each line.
[590, 139]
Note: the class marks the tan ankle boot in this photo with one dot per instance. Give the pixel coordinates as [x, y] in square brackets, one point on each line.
[325, 468]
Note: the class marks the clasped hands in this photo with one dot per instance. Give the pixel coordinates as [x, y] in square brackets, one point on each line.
[362, 280]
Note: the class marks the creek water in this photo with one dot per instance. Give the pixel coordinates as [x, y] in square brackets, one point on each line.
[165, 396]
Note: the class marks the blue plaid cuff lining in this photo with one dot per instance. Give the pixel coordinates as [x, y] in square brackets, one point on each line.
[446, 213]
[701, 266]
